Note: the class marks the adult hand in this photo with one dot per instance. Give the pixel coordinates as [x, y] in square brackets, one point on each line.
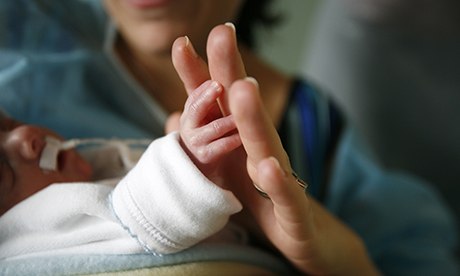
[310, 237]
[300, 228]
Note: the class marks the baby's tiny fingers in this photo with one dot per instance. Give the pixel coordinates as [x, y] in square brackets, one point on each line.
[218, 148]
[200, 103]
[202, 136]
[218, 128]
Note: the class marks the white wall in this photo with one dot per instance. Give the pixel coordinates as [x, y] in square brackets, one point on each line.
[285, 46]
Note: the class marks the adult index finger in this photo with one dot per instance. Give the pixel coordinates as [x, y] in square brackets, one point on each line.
[190, 67]
[224, 59]
[258, 134]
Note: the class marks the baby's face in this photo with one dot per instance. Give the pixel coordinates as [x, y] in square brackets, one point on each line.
[20, 175]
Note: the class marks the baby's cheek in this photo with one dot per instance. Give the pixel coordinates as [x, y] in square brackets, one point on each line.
[84, 171]
[73, 168]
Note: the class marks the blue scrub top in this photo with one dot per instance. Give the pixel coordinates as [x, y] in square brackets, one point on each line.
[56, 71]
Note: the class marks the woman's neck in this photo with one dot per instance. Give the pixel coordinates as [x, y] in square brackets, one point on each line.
[156, 74]
[158, 77]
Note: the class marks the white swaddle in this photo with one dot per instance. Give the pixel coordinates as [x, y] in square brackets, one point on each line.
[164, 202]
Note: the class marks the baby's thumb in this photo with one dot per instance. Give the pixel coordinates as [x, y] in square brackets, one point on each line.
[173, 122]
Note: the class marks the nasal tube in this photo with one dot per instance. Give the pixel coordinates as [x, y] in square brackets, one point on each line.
[49, 156]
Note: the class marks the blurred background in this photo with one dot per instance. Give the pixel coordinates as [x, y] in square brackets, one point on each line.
[287, 44]
[393, 66]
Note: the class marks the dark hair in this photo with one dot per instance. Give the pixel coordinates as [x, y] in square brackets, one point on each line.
[254, 13]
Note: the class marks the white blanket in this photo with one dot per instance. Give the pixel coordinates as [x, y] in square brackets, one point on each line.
[163, 205]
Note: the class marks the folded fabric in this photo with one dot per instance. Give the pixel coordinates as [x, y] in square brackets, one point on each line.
[180, 212]
[165, 203]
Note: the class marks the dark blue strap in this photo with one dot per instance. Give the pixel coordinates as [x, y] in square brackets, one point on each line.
[313, 117]
[308, 124]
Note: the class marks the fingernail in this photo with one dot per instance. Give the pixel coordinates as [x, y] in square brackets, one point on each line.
[231, 25]
[252, 80]
[187, 41]
[215, 86]
[189, 46]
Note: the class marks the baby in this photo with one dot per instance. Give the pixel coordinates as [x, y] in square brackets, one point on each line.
[169, 201]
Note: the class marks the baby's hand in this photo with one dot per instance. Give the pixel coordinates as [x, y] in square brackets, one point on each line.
[205, 134]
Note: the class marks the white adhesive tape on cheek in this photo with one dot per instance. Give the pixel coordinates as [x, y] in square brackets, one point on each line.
[48, 158]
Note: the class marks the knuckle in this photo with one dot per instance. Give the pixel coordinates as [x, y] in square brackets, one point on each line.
[194, 141]
[216, 127]
[194, 107]
[203, 155]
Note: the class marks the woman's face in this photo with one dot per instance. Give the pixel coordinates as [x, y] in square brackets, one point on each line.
[151, 26]
[21, 147]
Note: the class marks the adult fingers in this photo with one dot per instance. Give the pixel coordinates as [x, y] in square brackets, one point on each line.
[263, 145]
[224, 59]
[288, 197]
[190, 67]
[258, 134]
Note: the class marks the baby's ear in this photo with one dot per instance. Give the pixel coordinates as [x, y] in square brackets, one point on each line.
[173, 122]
